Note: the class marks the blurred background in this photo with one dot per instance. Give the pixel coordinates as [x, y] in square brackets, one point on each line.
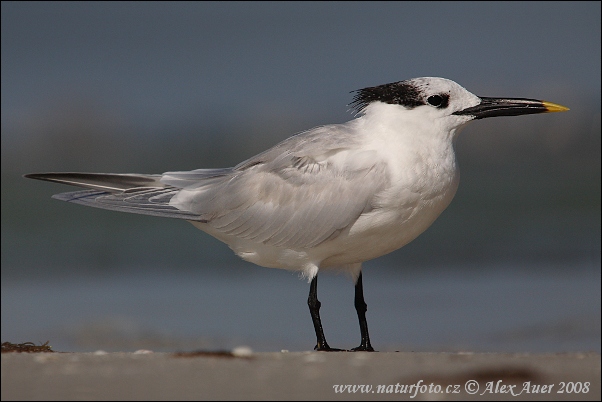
[512, 265]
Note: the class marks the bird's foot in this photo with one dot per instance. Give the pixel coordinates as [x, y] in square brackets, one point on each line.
[326, 348]
[363, 348]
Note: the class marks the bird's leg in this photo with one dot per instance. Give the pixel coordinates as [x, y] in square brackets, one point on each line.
[314, 309]
[361, 307]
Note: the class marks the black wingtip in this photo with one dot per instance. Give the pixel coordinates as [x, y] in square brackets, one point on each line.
[54, 177]
[38, 176]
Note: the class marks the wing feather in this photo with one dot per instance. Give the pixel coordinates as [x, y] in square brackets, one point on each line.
[145, 202]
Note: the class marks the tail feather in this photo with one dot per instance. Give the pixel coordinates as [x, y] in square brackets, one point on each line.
[134, 193]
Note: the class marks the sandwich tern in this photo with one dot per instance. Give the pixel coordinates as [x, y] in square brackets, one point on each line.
[328, 198]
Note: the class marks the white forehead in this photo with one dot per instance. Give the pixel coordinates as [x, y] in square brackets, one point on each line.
[459, 97]
[436, 85]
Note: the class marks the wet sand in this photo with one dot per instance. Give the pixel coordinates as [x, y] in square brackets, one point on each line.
[300, 375]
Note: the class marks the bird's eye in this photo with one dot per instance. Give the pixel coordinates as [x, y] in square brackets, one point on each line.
[440, 101]
[435, 100]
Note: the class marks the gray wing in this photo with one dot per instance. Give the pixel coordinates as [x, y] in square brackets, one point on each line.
[291, 195]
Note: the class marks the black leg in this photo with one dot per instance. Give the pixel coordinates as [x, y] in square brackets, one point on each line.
[314, 309]
[361, 307]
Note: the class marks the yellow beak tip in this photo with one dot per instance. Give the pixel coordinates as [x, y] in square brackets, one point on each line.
[554, 107]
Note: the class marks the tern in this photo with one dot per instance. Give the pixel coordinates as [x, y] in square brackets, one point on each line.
[328, 198]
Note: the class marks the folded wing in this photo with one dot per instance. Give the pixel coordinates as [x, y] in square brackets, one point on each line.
[305, 190]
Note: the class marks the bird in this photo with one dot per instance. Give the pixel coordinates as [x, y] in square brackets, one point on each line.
[329, 198]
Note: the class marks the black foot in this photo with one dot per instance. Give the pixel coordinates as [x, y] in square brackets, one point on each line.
[363, 348]
[328, 349]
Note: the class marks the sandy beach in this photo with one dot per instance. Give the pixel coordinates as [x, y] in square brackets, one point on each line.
[301, 375]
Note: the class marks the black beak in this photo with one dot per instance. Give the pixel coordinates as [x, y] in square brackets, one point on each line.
[492, 107]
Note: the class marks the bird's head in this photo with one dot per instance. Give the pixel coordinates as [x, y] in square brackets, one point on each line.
[443, 102]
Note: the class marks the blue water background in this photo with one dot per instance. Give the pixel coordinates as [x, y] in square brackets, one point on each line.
[488, 309]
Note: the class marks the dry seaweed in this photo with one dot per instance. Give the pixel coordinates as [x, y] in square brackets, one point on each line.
[27, 347]
[222, 354]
